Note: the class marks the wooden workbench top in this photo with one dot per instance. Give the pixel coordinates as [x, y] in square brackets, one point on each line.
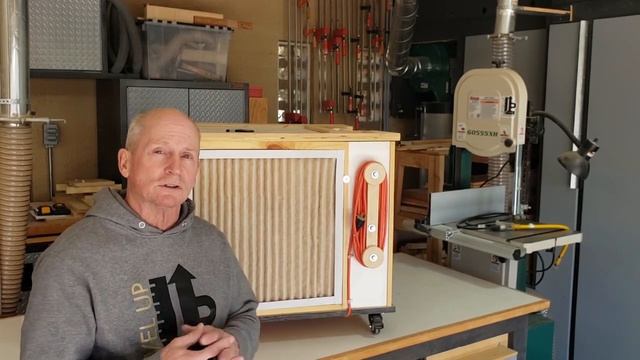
[289, 132]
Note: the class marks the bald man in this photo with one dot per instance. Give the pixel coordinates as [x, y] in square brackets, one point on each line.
[140, 275]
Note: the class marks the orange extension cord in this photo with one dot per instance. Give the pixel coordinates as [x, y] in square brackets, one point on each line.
[358, 237]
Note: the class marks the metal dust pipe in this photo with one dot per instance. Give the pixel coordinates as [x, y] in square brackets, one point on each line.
[16, 160]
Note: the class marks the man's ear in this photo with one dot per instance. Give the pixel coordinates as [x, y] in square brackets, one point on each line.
[123, 162]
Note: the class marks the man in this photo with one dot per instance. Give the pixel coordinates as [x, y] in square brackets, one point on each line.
[122, 281]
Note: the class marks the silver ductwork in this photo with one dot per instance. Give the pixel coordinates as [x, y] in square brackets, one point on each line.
[506, 17]
[14, 59]
[502, 39]
[403, 20]
[16, 160]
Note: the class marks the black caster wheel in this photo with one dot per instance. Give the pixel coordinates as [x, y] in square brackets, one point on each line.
[375, 323]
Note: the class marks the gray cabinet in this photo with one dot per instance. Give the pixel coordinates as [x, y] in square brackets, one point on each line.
[228, 106]
[609, 273]
[558, 202]
[144, 98]
[607, 322]
[119, 101]
[66, 35]
[217, 105]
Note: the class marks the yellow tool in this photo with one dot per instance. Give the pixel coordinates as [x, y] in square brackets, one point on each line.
[531, 226]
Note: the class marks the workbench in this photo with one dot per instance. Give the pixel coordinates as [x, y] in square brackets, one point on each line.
[437, 309]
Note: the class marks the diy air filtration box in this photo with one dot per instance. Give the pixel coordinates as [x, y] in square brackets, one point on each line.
[284, 196]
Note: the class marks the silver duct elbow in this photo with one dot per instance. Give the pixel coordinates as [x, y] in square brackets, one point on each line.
[403, 21]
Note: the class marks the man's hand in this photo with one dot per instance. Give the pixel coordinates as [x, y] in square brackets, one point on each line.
[215, 341]
[212, 336]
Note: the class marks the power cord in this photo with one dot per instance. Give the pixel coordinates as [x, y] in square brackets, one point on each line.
[496, 175]
[544, 267]
[483, 221]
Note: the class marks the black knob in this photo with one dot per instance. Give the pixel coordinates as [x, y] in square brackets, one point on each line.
[508, 142]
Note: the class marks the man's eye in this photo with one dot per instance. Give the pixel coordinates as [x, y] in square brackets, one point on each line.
[187, 156]
[158, 151]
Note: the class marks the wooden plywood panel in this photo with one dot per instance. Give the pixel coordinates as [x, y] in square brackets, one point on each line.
[278, 215]
[76, 155]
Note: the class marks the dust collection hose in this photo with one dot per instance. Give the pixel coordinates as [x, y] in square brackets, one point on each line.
[15, 191]
[15, 149]
[119, 17]
[403, 21]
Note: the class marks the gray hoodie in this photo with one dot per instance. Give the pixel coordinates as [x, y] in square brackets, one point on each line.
[114, 287]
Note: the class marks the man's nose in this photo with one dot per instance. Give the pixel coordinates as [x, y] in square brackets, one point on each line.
[173, 165]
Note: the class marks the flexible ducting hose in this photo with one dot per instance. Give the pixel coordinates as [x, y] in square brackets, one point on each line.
[15, 192]
[402, 23]
[128, 38]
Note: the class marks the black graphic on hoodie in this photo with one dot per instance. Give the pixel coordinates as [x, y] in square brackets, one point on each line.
[189, 303]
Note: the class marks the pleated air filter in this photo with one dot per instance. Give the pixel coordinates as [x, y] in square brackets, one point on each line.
[283, 196]
[279, 216]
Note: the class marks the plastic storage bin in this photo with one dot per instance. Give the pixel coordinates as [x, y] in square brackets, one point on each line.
[185, 52]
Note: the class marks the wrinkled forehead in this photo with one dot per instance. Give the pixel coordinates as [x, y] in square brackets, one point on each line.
[177, 134]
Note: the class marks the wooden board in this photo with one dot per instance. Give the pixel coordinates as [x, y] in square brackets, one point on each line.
[416, 197]
[89, 189]
[276, 128]
[41, 240]
[258, 110]
[178, 15]
[232, 24]
[89, 199]
[463, 352]
[90, 182]
[51, 227]
[203, 56]
[213, 134]
[433, 145]
[496, 353]
[77, 206]
[184, 16]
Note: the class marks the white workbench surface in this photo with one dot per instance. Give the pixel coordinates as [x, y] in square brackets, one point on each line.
[431, 302]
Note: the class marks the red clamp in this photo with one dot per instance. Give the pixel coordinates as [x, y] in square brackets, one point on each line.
[295, 118]
[310, 33]
[350, 101]
[377, 44]
[340, 37]
[362, 110]
[322, 37]
[328, 105]
[339, 43]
